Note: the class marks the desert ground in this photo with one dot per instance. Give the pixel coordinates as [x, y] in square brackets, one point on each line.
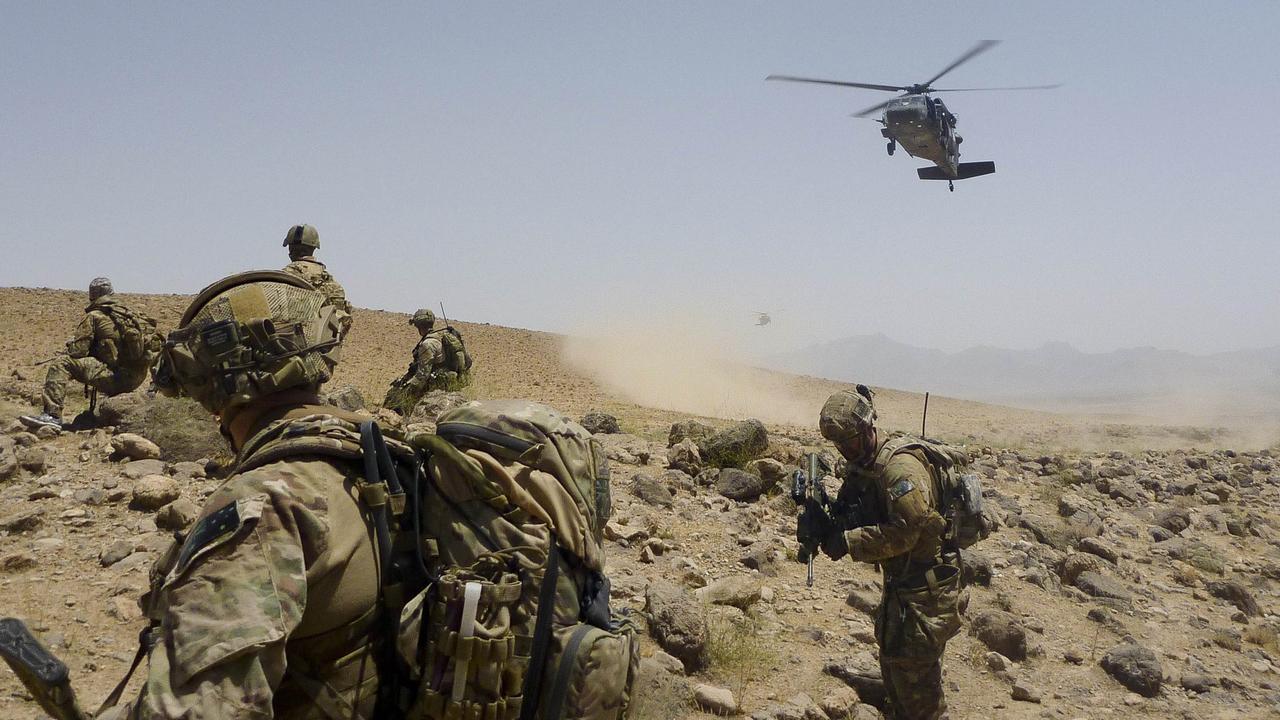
[1135, 572]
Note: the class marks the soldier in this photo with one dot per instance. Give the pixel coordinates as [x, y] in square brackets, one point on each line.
[112, 348]
[270, 606]
[920, 604]
[303, 241]
[440, 362]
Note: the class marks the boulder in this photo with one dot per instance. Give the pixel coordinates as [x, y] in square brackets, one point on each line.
[1094, 546]
[135, 469]
[598, 423]
[1236, 594]
[738, 484]
[32, 459]
[772, 473]
[694, 430]
[677, 481]
[764, 558]
[737, 591]
[737, 444]
[677, 622]
[177, 515]
[134, 447]
[1135, 667]
[22, 521]
[1002, 632]
[1175, 520]
[715, 700]
[1072, 565]
[128, 410]
[8, 464]
[1096, 584]
[651, 491]
[153, 492]
[345, 397]
[861, 673]
[685, 457]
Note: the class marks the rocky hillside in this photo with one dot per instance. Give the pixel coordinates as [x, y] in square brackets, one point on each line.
[1122, 582]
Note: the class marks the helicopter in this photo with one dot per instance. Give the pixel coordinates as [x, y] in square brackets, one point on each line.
[762, 319]
[922, 124]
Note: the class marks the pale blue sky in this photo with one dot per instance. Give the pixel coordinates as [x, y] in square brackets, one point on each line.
[546, 164]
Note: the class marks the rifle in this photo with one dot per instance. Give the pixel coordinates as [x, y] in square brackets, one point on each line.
[50, 359]
[810, 494]
[44, 675]
[847, 511]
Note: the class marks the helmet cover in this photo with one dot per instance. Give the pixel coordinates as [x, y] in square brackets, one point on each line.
[247, 336]
[303, 235]
[847, 414]
[100, 287]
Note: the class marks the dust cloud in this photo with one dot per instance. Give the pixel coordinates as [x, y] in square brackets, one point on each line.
[702, 371]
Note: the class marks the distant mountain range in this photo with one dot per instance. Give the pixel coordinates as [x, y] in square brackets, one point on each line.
[1052, 375]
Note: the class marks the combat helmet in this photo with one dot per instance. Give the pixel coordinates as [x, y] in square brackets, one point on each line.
[303, 235]
[100, 287]
[247, 336]
[423, 316]
[847, 414]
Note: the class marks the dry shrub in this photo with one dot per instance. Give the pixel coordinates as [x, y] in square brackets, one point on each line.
[1265, 637]
[739, 656]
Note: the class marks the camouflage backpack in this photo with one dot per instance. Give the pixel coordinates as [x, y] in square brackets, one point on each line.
[960, 496]
[139, 340]
[456, 357]
[518, 623]
[489, 539]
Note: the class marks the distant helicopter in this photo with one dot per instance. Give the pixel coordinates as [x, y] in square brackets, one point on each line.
[923, 125]
[762, 319]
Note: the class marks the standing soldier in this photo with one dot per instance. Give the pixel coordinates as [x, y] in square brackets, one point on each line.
[268, 607]
[900, 487]
[303, 241]
[440, 362]
[112, 348]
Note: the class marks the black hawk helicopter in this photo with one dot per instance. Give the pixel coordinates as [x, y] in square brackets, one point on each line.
[923, 125]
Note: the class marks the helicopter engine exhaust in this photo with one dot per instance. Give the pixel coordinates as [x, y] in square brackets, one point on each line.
[963, 171]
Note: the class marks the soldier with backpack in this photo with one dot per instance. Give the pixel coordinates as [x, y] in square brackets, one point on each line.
[910, 511]
[340, 575]
[303, 241]
[110, 353]
[440, 362]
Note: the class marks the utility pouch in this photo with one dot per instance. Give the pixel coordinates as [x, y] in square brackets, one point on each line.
[930, 614]
[591, 672]
[465, 657]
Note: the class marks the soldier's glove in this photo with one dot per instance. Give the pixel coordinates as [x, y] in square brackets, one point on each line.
[811, 528]
[834, 544]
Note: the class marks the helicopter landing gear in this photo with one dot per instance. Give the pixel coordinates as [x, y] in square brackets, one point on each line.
[891, 147]
[951, 186]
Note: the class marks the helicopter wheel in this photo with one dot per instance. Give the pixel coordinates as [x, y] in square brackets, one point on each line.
[951, 186]
[890, 147]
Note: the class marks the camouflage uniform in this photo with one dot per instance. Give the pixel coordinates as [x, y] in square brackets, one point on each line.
[269, 608]
[428, 371]
[913, 622]
[303, 241]
[93, 358]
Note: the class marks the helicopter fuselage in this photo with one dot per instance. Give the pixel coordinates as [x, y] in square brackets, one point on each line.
[923, 127]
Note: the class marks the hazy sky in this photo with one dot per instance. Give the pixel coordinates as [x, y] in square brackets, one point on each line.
[546, 165]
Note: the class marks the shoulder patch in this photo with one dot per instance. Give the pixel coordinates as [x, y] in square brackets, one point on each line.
[213, 526]
[899, 489]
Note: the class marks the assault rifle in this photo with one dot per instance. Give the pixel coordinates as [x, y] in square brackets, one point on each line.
[44, 675]
[846, 511]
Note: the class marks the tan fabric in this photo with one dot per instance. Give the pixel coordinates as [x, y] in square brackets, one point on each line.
[913, 526]
[315, 273]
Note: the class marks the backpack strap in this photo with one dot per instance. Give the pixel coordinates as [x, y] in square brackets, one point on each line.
[541, 635]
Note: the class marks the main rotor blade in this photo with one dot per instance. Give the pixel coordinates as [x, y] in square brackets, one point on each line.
[865, 86]
[976, 50]
[872, 109]
[1021, 87]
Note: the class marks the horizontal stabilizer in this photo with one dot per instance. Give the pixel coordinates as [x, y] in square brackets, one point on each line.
[963, 171]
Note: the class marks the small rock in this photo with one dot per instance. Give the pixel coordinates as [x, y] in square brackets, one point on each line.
[651, 491]
[1025, 693]
[134, 447]
[115, 552]
[695, 431]
[8, 464]
[599, 423]
[346, 397]
[842, 703]
[667, 663]
[32, 459]
[685, 457]
[1094, 546]
[140, 468]
[1002, 632]
[1095, 584]
[738, 591]
[123, 609]
[1175, 520]
[17, 561]
[741, 485]
[1236, 594]
[1135, 667]
[714, 699]
[177, 515]
[1197, 683]
[153, 492]
[22, 521]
